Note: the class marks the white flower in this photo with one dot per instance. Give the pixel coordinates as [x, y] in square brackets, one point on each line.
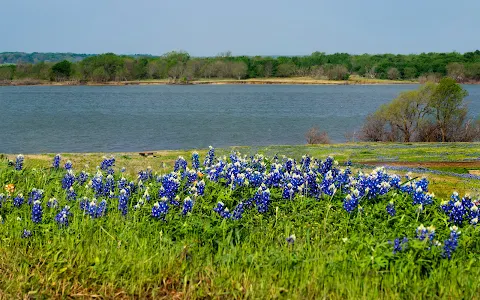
[454, 228]
[356, 192]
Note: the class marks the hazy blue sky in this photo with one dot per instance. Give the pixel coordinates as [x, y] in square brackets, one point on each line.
[268, 27]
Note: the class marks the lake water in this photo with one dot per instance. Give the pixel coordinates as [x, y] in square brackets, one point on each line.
[37, 119]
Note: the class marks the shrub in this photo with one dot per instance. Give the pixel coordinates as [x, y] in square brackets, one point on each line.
[314, 136]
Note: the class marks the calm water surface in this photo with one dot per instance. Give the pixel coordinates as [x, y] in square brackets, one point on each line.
[135, 118]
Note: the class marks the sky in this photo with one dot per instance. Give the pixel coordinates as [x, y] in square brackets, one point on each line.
[247, 27]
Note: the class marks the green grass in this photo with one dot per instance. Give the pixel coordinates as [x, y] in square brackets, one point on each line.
[336, 255]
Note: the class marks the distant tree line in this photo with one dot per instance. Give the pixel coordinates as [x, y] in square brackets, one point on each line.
[52, 57]
[426, 67]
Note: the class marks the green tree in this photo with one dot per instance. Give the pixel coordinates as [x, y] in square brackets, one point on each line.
[447, 102]
[286, 70]
[61, 71]
[6, 72]
[406, 112]
[410, 73]
[100, 75]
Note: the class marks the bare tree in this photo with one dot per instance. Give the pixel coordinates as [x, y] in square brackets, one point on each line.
[373, 129]
[239, 70]
[314, 136]
[317, 72]
[176, 71]
[208, 70]
[222, 69]
[431, 77]
[337, 72]
[371, 72]
[393, 73]
[456, 71]
[268, 69]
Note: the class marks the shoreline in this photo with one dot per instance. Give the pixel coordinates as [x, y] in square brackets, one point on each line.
[265, 81]
[270, 81]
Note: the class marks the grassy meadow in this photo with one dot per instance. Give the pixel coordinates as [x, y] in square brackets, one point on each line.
[311, 245]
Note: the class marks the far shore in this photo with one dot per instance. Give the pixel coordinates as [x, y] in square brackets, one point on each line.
[257, 81]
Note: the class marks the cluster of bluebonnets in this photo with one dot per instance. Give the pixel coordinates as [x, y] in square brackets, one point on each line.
[179, 190]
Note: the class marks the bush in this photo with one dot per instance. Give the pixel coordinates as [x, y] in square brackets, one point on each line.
[373, 129]
[61, 71]
[314, 136]
[337, 72]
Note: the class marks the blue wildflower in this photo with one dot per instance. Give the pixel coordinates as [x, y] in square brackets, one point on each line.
[92, 208]
[19, 162]
[52, 203]
[187, 206]
[391, 209]
[97, 183]
[180, 165]
[109, 185]
[191, 176]
[82, 177]
[262, 199]
[68, 165]
[195, 161]
[122, 183]
[107, 163]
[62, 218]
[398, 245]
[209, 158]
[238, 211]
[425, 233]
[350, 203]
[71, 195]
[457, 213]
[26, 234]
[201, 187]
[291, 239]
[451, 244]
[123, 202]
[160, 210]
[56, 161]
[145, 175]
[37, 212]
[68, 180]
[35, 194]
[18, 201]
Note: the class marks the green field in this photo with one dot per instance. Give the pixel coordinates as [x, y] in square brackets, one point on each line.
[336, 254]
